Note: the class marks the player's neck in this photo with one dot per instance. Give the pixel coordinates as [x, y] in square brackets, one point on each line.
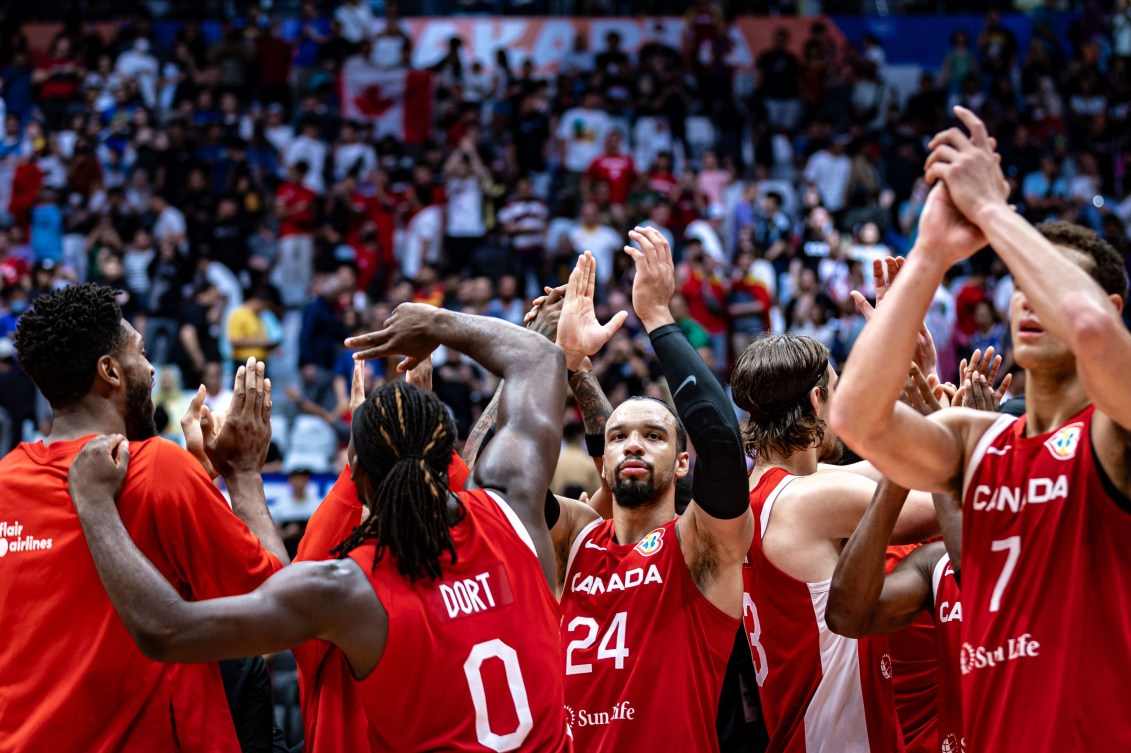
[88, 416]
[803, 463]
[631, 524]
[1051, 398]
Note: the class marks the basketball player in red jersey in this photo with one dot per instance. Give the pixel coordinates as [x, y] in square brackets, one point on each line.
[863, 601]
[819, 691]
[433, 584]
[1046, 582]
[68, 650]
[651, 601]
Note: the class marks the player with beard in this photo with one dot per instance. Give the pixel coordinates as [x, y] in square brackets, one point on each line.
[68, 650]
[819, 691]
[652, 601]
[1046, 580]
[439, 604]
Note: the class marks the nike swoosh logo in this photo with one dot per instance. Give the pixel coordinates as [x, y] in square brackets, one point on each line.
[591, 545]
[690, 379]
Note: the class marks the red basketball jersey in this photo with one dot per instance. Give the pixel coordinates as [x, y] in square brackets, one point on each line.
[473, 660]
[645, 651]
[1046, 594]
[948, 644]
[915, 673]
[820, 692]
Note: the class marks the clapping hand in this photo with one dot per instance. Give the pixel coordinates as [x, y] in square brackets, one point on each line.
[579, 333]
[654, 284]
[238, 443]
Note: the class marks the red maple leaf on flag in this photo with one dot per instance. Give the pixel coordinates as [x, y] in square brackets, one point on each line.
[372, 103]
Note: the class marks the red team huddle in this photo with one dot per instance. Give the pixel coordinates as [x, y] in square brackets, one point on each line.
[436, 607]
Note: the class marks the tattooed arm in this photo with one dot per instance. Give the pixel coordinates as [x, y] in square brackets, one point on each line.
[543, 319]
[482, 430]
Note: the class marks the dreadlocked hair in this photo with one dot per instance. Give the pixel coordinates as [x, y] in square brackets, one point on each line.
[60, 339]
[403, 438]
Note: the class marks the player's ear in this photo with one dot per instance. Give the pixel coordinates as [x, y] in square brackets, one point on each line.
[682, 464]
[1118, 301]
[109, 372]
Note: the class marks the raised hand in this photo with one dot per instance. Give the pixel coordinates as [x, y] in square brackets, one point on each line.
[98, 472]
[196, 417]
[654, 284]
[892, 265]
[240, 444]
[545, 312]
[969, 168]
[357, 386]
[579, 333]
[420, 375]
[978, 377]
[408, 332]
[922, 392]
[926, 356]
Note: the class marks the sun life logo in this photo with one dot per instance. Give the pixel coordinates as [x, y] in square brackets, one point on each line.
[1062, 445]
[651, 543]
[572, 716]
[885, 666]
[951, 745]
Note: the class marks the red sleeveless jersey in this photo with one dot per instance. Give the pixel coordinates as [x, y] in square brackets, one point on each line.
[645, 651]
[915, 673]
[948, 644]
[820, 692]
[1046, 594]
[473, 660]
[333, 717]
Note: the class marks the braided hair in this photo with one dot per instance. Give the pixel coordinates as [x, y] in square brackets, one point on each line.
[403, 437]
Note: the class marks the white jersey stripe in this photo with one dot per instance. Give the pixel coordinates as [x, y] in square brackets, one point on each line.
[835, 721]
[510, 515]
[577, 542]
[937, 576]
[767, 508]
[992, 433]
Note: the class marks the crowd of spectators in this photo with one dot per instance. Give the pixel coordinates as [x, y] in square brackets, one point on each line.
[217, 186]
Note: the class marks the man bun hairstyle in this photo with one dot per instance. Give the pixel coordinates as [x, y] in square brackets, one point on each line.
[403, 437]
[1108, 266]
[771, 381]
[61, 337]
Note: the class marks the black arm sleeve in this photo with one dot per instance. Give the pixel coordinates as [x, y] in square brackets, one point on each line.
[720, 471]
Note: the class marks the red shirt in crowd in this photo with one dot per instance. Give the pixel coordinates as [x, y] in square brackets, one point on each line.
[618, 171]
[706, 301]
[296, 215]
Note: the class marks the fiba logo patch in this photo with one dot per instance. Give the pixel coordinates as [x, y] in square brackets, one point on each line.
[885, 666]
[651, 543]
[1062, 445]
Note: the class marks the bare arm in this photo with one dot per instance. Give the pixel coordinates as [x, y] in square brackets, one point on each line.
[521, 458]
[835, 502]
[308, 600]
[864, 600]
[865, 411]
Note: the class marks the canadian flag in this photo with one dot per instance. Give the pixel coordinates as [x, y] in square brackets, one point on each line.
[396, 102]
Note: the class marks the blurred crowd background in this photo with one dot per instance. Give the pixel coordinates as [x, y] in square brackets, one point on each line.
[267, 184]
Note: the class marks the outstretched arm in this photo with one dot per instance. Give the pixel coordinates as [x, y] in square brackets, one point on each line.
[521, 458]
[862, 599]
[718, 526]
[1069, 304]
[307, 600]
[865, 411]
